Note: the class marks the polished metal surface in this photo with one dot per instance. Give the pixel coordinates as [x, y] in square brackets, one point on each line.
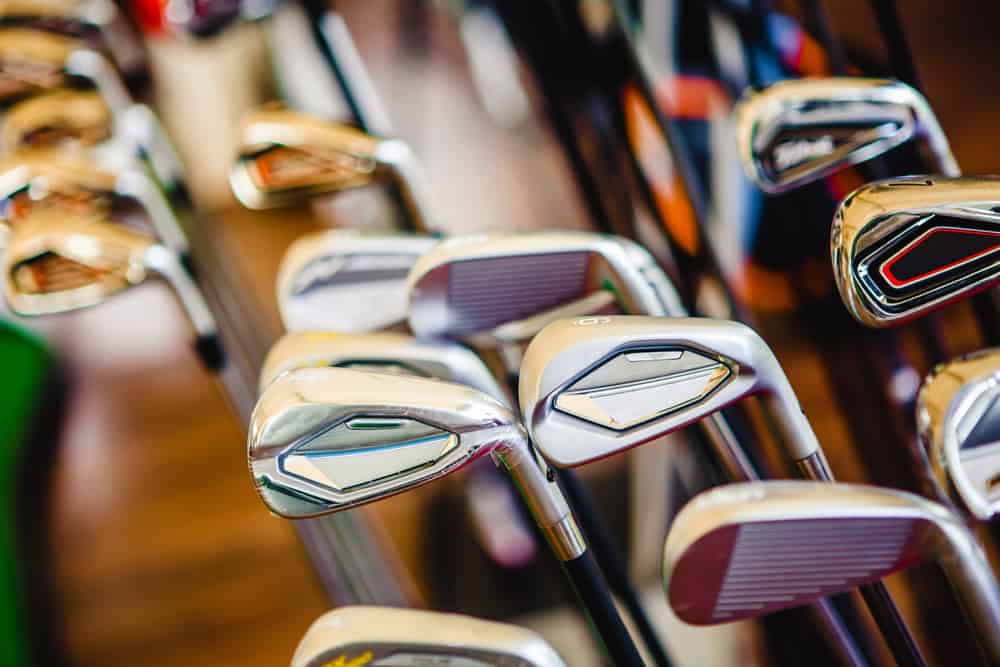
[959, 424]
[906, 246]
[746, 550]
[797, 131]
[327, 439]
[595, 386]
[347, 280]
[356, 635]
[58, 116]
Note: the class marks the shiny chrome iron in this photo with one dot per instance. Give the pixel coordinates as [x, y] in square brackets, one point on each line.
[385, 635]
[958, 418]
[797, 131]
[906, 246]
[747, 550]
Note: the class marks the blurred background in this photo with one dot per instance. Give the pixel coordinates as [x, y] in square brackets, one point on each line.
[157, 551]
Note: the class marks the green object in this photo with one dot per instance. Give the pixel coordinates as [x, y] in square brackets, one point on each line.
[26, 363]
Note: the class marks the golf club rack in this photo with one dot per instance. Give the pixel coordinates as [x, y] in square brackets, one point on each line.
[568, 332]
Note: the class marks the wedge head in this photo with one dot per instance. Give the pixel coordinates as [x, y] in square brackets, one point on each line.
[356, 635]
[906, 246]
[327, 439]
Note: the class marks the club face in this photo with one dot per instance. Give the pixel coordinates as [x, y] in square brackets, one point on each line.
[327, 439]
[798, 131]
[38, 179]
[593, 387]
[384, 635]
[56, 117]
[56, 264]
[32, 60]
[347, 281]
[746, 550]
[471, 286]
[286, 157]
[958, 415]
[380, 352]
[906, 246]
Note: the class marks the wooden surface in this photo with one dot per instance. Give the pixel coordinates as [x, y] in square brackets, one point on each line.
[164, 554]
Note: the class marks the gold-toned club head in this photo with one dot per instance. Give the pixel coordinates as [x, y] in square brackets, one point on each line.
[287, 156]
[45, 178]
[57, 117]
[32, 60]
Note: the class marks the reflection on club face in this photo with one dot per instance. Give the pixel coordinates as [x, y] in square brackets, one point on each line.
[345, 280]
[380, 352]
[327, 439]
[798, 131]
[958, 416]
[906, 246]
[747, 550]
[475, 287]
[386, 635]
[56, 117]
[595, 386]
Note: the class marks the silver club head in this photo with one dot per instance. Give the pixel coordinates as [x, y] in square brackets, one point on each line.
[356, 635]
[958, 417]
[798, 131]
[475, 287]
[287, 156]
[906, 246]
[55, 263]
[746, 550]
[379, 352]
[346, 280]
[595, 386]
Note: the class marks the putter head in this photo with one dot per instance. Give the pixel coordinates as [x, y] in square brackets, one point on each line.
[958, 418]
[356, 635]
[56, 117]
[379, 352]
[751, 549]
[328, 439]
[287, 156]
[474, 287]
[595, 386]
[347, 280]
[906, 246]
[797, 131]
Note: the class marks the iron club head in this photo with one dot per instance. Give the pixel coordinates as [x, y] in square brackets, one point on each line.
[906, 246]
[958, 418]
[798, 131]
[387, 635]
[55, 117]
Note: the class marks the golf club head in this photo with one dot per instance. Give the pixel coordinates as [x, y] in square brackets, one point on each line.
[379, 352]
[797, 131]
[55, 117]
[80, 183]
[475, 287]
[906, 246]
[959, 423]
[286, 157]
[595, 386]
[328, 439]
[746, 550]
[347, 280]
[356, 635]
[56, 263]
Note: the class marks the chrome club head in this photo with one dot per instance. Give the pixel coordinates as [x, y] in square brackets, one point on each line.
[958, 417]
[346, 280]
[287, 156]
[595, 386]
[379, 352]
[56, 263]
[355, 635]
[56, 117]
[906, 246]
[498, 286]
[798, 131]
[751, 549]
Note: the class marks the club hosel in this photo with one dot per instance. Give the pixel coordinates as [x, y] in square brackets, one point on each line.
[936, 139]
[166, 263]
[543, 497]
[969, 574]
[411, 179]
[91, 64]
[161, 215]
